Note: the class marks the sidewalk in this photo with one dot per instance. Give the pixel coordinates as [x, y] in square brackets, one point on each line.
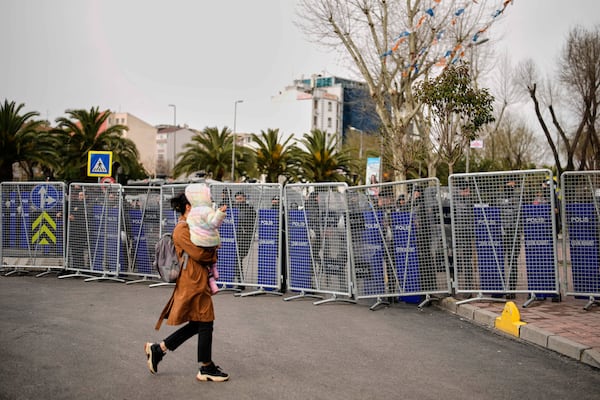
[564, 327]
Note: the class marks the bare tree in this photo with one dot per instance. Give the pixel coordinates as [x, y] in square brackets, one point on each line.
[577, 85]
[392, 44]
[515, 145]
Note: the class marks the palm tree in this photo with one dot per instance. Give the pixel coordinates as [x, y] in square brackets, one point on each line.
[209, 151]
[274, 159]
[321, 161]
[21, 139]
[85, 131]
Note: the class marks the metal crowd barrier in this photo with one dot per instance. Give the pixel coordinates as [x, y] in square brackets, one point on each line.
[398, 241]
[141, 216]
[504, 234]
[32, 226]
[96, 240]
[317, 252]
[250, 252]
[580, 205]
[379, 241]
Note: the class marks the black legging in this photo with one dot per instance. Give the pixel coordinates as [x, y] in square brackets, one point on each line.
[204, 331]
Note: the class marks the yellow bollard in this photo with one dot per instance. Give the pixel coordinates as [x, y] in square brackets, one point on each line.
[510, 320]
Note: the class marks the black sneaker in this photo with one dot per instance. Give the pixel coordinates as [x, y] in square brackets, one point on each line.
[154, 354]
[212, 373]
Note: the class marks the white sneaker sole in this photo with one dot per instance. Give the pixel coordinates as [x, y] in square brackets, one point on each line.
[148, 351]
[205, 378]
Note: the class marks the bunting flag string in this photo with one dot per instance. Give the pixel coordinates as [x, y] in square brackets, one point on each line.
[450, 56]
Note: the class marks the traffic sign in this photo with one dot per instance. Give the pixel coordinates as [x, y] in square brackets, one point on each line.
[99, 163]
[44, 197]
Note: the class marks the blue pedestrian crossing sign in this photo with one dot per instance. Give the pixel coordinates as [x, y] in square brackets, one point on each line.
[99, 163]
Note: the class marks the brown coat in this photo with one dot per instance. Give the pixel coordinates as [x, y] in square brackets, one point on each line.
[191, 299]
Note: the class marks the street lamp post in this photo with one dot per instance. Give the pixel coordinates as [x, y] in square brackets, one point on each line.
[174, 135]
[234, 131]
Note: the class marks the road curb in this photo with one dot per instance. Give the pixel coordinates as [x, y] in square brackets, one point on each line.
[527, 332]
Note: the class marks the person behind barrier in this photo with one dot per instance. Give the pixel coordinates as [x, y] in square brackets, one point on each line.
[313, 218]
[465, 234]
[244, 229]
[78, 230]
[512, 228]
[190, 303]
[275, 203]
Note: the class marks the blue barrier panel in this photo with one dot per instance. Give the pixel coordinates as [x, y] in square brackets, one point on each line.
[105, 239]
[227, 262]
[268, 240]
[143, 260]
[405, 254]
[583, 243]
[23, 223]
[12, 220]
[374, 282]
[539, 247]
[299, 251]
[488, 242]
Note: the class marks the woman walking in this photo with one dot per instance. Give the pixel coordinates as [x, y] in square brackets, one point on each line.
[191, 301]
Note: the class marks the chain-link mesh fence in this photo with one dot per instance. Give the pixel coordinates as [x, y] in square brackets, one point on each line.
[317, 251]
[250, 251]
[141, 224]
[580, 198]
[504, 233]
[398, 240]
[96, 240]
[33, 226]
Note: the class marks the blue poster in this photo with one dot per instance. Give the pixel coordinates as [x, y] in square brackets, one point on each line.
[539, 247]
[405, 252]
[299, 251]
[268, 247]
[583, 243]
[488, 242]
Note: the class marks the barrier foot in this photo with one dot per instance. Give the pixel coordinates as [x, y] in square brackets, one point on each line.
[428, 299]
[590, 303]
[162, 284]
[75, 275]
[16, 271]
[258, 292]
[380, 302]
[302, 294]
[480, 297]
[530, 300]
[236, 290]
[103, 278]
[334, 298]
[143, 280]
[47, 272]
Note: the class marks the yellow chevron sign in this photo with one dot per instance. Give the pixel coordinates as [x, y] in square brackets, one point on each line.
[43, 229]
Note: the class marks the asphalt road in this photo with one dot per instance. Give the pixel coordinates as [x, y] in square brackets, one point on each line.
[70, 339]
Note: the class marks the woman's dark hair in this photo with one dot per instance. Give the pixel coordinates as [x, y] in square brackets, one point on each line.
[179, 202]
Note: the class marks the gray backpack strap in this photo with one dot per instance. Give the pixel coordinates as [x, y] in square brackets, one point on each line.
[185, 257]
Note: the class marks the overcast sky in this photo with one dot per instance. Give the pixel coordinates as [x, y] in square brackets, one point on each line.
[201, 56]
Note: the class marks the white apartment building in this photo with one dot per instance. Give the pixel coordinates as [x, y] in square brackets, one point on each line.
[140, 133]
[303, 107]
[169, 143]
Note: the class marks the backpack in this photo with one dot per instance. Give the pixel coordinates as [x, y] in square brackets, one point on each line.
[165, 259]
